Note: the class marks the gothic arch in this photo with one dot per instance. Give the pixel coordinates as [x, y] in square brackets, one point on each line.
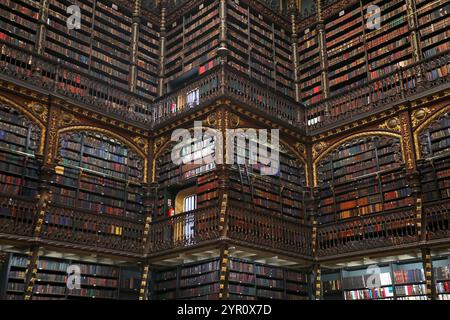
[28, 115]
[111, 134]
[340, 142]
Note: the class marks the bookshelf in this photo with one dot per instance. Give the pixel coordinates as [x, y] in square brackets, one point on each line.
[409, 281]
[14, 276]
[198, 280]
[192, 42]
[259, 47]
[432, 17]
[356, 285]
[309, 67]
[19, 22]
[435, 172]
[148, 59]
[389, 47]
[173, 178]
[282, 192]
[441, 268]
[255, 281]
[332, 286]
[362, 177]
[98, 281]
[19, 142]
[72, 47]
[344, 34]
[99, 175]
[400, 280]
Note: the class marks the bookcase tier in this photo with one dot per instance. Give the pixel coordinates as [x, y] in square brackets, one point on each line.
[247, 280]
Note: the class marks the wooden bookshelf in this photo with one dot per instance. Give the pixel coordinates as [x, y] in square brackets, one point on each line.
[14, 275]
[97, 281]
[19, 22]
[148, 59]
[259, 47]
[309, 66]
[432, 17]
[402, 280]
[198, 280]
[362, 177]
[193, 39]
[19, 142]
[280, 192]
[435, 147]
[255, 281]
[173, 178]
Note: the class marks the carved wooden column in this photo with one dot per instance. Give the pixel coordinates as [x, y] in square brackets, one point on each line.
[224, 293]
[162, 51]
[149, 196]
[317, 275]
[322, 51]
[145, 279]
[412, 173]
[223, 123]
[134, 44]
[293, 14]
[429, 273]
[413, 26]
[312, 209]
[41, 31]
[223, 48]
[30, 273]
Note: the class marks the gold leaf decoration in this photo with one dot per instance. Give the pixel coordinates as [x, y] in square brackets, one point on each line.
[419, 115]
[318, 148]
[39, 110]
[392, 124]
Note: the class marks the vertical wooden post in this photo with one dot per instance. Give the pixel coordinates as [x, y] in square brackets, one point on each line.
[224, 293]
[41, 31]
[413, 29]
[30, 275]
[162, 51]
[317, 274]
[149, 199]
[429, 274]
[145, 279]
[412, 174]
[293, 10]
[134, 45]
[323, 51]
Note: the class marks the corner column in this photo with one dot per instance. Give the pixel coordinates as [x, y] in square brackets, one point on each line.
[134, 45]
[162, 51]
[42, 27]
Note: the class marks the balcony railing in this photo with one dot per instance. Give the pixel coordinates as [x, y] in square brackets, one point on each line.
[438, 220]
[17, 215]
[75, 85]
[183, 230]
[382, 93]
[269, 231]
[255, 229]
[368, 232]
[92, 229]
[78, 87]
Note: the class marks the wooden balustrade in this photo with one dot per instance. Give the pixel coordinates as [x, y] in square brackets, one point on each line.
[92, 229]
[387, 229]
[384, 92]
[268, 231]
[75, 85]
[99, 95]
[17, 215]
[186, 229]
[437, 219]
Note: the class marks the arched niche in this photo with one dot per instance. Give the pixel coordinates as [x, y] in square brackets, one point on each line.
[361, 175]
